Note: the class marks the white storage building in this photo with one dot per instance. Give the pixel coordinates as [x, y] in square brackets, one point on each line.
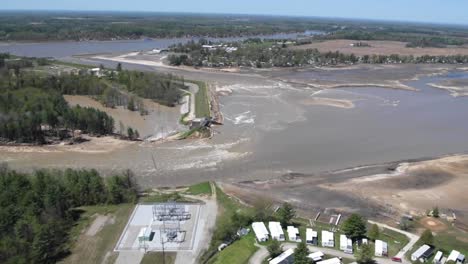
[330, 261]
[438, 257]
[328, 239]
[311, 236]
[456, 256]
[287, 257]
[145, 234]
[316, 256]
[276, 231]
[260, 231]
[293, 234]
[346, 244]
[381, 248]
[422, 253]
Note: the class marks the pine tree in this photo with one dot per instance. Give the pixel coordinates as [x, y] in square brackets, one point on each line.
[364, 254]
[435, 212]
[427, 237]
[275, 248]
[301, 254]
[286, 213]
[374, 232]
[355, 227]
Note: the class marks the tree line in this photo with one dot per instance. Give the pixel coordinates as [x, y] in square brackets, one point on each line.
[37, 209]
[268, 54]
[29, 115]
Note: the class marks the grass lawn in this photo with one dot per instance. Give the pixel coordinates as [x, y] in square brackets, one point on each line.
[164, 197]
[200, 188]
[157, 258]
[239, 252]
[227, 207]
[396, 241]
[71, 64]
[451, 239]
[202, 105]
[99, 247]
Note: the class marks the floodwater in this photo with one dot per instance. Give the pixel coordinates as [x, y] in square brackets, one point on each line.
[69, 48]
[267, 133]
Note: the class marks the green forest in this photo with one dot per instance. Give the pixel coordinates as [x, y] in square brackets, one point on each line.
[38, 210]
[33, 109]
[44, 26]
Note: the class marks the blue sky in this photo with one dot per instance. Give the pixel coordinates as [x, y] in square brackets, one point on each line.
[436, 11]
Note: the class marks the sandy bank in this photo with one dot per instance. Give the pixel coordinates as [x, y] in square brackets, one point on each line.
[387, 84]
[455, 91]
[414, 186]
[94, 145]
[340, 103]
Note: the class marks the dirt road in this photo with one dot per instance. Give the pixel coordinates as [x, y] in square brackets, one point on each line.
[206, 223]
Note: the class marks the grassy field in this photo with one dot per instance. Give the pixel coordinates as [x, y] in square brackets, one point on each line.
[157, 258]
[164, 197]
[227, 207]
[239, 252]
[202, 104]
[203, 188]
[396, 241]
[98, 248]
[380, 47]
[446, 239]
[452, 239]
[74, 65]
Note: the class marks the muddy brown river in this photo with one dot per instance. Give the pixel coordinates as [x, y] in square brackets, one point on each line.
[268, 130]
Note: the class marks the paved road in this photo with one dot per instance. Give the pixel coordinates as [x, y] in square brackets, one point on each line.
[206, 223]
[412, 237]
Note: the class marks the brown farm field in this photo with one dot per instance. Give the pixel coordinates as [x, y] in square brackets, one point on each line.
[381, 48]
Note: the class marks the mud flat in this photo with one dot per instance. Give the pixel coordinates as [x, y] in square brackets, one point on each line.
[92, 145]
[455, 87]
[382, 190]
[340, 103]
[382, 76]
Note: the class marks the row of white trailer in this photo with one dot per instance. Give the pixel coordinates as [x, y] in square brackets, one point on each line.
[424, 252]
[276, 232]
[328, 237]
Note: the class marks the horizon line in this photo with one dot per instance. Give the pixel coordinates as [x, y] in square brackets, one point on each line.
[244, 14]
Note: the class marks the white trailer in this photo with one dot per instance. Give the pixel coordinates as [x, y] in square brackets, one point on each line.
[260, 230]
[311, 236]
[276, 231]
[328, 239]
[381, 248]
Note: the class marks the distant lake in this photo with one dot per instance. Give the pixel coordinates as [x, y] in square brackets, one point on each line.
[70, 48]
